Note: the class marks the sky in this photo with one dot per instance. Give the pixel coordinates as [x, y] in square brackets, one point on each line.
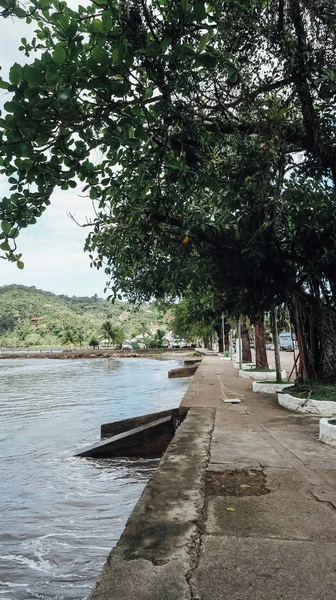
[53, 248]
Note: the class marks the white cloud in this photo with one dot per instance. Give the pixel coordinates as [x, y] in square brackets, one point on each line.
[53, 251]
[53, 248]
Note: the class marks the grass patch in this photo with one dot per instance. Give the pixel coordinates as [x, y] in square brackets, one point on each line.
[318, 391]
[272, 382]
[260, 371]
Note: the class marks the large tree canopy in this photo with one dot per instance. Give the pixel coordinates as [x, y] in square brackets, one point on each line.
[198, 129]
[128, 96]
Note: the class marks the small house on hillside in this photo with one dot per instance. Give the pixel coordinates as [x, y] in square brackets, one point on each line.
[35, 321]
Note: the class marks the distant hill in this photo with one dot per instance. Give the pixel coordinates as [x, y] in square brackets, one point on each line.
[32, 317]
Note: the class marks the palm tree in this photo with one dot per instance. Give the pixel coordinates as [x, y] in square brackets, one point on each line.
[68, 338]
[79, 338]
[112, 333]
[107, 331]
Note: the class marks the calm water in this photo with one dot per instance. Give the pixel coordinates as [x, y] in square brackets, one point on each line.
[61, 515]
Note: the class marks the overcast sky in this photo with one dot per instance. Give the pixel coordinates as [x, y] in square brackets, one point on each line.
[53, 248]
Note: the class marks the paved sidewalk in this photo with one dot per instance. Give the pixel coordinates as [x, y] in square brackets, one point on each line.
[242, 506]
[280, 544]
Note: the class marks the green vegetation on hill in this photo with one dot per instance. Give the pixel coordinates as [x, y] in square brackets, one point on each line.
[83, 317]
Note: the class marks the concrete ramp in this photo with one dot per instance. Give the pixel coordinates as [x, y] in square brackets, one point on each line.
[148, 440]
[116, 427]
[192, 361]
[183, 371]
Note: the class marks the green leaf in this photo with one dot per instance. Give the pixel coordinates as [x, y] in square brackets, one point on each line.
[98, 26]
[184, 4]
[100, 54]
[3, 84]
[51, 74]
[203, 41]
[31, 75]
[120, 88]
[59, 55]
[20, 264]
[5, 246]
[15, 74]
[71, 30]
[165, 43]
[199, 12]
[12, 107]
[233, 75]
[148, 93]
[5, 226]
[19, 12]
[208, 60]
[185, 50]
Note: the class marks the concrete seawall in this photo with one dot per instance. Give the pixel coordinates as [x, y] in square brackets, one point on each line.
[155, 553]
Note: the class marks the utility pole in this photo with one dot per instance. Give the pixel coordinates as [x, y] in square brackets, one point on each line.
[223, 333]
[240, 344]
[274, 327]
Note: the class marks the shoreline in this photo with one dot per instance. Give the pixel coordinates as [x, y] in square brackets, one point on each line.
[91, 354]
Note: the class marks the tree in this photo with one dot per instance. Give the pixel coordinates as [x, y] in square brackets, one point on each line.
[246, 348]
[114, 334]
[79, 338]
[156, 341]
[201, 133]
[159, 337]
[198, 315]
[94, 343]
[68, 338]
[115, 77]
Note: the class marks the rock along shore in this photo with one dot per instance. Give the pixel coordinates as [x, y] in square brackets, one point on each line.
[76, 354]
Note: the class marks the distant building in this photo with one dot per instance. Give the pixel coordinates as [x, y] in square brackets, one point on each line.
[123, 316]
[35, 321]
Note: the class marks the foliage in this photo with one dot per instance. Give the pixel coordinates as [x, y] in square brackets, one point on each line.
[211, 124]
[81, 317]
[94, 343]
[68, 337]
[114, 334]
[195, 317]
[157, 340]
[155, 89]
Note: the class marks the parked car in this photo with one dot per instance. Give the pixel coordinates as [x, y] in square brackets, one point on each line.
[269, 346]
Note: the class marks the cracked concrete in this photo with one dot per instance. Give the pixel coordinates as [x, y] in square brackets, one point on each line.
[182, 545]
[157, 552]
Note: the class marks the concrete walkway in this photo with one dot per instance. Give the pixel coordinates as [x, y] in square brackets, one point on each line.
[242, 506]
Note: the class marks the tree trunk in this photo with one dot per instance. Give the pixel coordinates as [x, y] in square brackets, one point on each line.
[302, 321]
[260, 343]
[274, 327]
[207, 342]
[227, 329]
[218, 329]
[246, 348]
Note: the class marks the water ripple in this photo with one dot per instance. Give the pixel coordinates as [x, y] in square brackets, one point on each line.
[60, 514]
